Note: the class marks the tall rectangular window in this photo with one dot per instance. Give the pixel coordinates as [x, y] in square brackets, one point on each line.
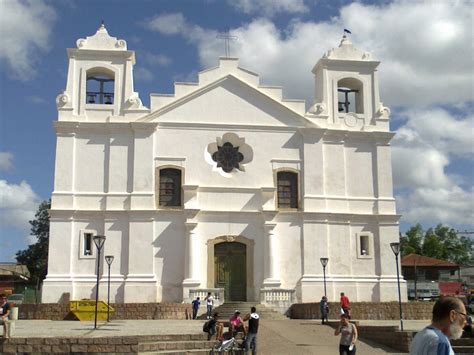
[170, 188]
[364, 245]
[87, 244]
[287, 189]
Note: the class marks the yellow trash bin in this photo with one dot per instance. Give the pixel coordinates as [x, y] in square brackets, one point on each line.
[85, 309]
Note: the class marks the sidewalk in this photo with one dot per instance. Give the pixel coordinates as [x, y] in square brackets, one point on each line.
[296, 336]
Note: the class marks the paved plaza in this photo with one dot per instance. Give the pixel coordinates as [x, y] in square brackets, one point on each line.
[275, 336]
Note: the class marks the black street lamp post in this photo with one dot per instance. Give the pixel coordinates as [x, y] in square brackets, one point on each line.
[99, 241]
[396, 250]
[324, 262]
[109, 259]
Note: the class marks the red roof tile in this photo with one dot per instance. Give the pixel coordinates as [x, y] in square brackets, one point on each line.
[420, 260]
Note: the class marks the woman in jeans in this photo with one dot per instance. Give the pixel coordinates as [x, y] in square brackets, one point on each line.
[348, 333]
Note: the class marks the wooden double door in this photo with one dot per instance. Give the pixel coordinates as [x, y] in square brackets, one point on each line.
[230, 268]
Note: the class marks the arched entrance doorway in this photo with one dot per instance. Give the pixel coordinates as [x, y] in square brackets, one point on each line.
[230, 270]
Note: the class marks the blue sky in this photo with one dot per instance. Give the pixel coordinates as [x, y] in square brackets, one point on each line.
[426, 78]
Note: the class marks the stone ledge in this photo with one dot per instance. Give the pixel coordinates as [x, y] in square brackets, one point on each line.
[365, 310]
[50, 311]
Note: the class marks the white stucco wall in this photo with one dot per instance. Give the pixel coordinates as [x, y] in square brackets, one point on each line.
[107, 159]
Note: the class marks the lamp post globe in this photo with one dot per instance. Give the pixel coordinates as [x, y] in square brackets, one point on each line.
[395, 248]
[99, 241]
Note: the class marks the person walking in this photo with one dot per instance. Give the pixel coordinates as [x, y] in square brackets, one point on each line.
[196, 303]
[345, 305]
[324, 309]
[209, 305]
[251, 339]
[348, 332]
[4, 314]
[447, 322]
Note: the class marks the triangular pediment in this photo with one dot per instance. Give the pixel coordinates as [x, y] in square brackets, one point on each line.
[230, 101]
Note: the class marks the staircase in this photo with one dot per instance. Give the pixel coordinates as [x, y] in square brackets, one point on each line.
[463, 346]
[227, 310]
[197, 344]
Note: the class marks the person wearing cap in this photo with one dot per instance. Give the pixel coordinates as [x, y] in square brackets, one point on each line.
[251, 339]
[236, 323]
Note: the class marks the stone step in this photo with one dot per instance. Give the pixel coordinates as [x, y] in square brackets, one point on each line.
[463, 350]
[182, 345]
[179, 352]
[227, 309]
[174, 337]
[463, 342]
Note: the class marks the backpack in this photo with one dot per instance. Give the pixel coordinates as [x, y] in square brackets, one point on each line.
[205, 327]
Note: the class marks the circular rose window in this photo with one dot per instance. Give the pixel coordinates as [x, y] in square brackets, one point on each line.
[229, 154]
[227, 157]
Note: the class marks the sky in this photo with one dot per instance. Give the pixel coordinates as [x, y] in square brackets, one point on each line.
[426, 78]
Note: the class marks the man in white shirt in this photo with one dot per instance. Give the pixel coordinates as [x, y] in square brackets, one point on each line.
[449, 319]
[209, 304]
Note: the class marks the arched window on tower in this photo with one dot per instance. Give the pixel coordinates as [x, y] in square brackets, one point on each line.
[287, 189]
[169, 187]
[350, 94]
[100, 86]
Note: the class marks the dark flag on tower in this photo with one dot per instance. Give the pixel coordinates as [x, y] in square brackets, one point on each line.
[347, 31]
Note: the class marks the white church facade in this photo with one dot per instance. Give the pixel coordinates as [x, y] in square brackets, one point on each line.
[223, 186]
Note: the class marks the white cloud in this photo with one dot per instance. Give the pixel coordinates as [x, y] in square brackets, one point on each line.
[425, 144]
[155, 59]
[24, 33]
[169, 24]
[18, 204]
[415, 167]
[269, 7]
[422, 47]
[6, 161]
[144, 74]
[438, 128]
[453, 206]
[422, 152]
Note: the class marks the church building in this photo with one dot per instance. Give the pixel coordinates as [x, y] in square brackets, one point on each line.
[223, 186]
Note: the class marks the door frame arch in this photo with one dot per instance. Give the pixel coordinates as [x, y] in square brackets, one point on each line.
[249, 243]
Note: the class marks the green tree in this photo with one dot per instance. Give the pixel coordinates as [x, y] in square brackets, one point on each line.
[35, 257]
[432, 245]
[412, 241]
[441, 242]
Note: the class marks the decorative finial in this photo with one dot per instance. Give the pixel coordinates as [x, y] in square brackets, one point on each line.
[102, 25]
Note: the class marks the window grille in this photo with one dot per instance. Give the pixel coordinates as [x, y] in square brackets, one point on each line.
[287, 183]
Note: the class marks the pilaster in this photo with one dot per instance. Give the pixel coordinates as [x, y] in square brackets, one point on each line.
[271, 267]
[192, 269]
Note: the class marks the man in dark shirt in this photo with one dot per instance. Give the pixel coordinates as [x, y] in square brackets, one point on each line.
[4, 313]
[251, 340]
[196, 303]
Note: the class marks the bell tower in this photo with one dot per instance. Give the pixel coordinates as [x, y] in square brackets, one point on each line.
[100, 81]
[347, 90]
